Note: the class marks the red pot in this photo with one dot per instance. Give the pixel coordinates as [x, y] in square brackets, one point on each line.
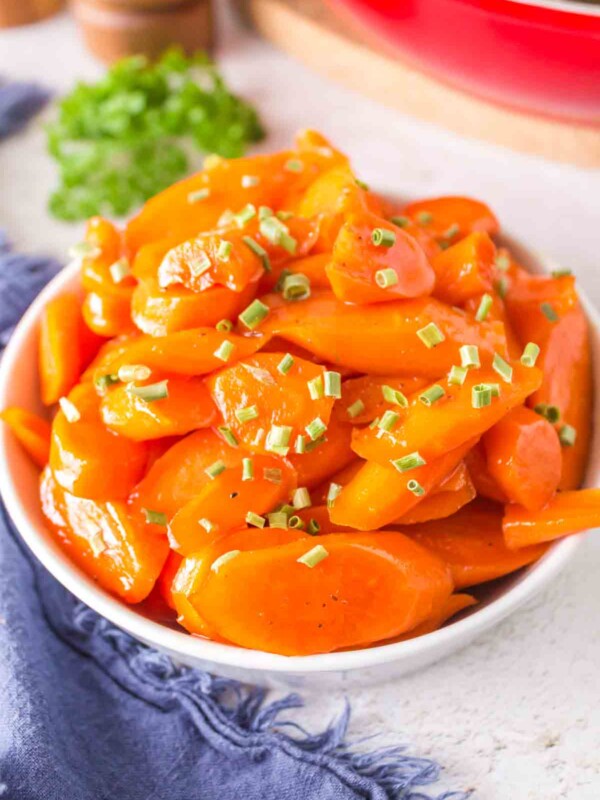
[541, 56]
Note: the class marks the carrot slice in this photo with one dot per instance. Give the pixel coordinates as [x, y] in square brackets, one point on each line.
[81, 450]
[450, 218]
[524, 457]
[122, 555]
[380, 339]
[485, 485]
[357, 261]
[341, 478]
[32, 431]
[385, 584]
[165, 579]
[332, 455]
[313, 267]
[444, 500]
[108, 313]
[274, 398]
[60, 357]
[363, 400]
[565, 514]
[453, 606]
[379, 494]
[222, 504]
[465, 269]
[187, 407]
[434, 430]
[472, 545]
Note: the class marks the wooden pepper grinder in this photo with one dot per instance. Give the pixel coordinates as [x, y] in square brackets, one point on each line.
[22, 12]
[116, 28]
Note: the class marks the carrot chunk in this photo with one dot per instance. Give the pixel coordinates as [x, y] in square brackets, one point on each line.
[450, 218]
[60, 357]
[565, 514]
[32, 431]
[465, 269]
[444, 500]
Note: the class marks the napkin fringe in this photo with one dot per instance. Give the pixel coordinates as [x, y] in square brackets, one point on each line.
[19, 102]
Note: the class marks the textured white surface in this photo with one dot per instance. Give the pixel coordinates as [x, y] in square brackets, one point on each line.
[516, 715]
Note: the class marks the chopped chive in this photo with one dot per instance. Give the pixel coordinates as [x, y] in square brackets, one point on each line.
[430, 335]
[224, 326]
[502, 262]
[278, 437]
[222, 560]
[388, 421]
[284, 215]
[316, 388]
[469, 356]
[276, 232]
[133, 372]
[530, 354]
[198, 266]
[301, 498]
[247, 469]
[313, 527]
[300, 445]
[198, 195]
[561, 273]
[333, 493]
[211, 161]
[69, 409]
[316, 428]
[272, 474]
[224, 350]
[228, 435]
[248, 181]
[400, 221]
[260, 435]
[452, 231]
[215, 469]
[224, 251]
[296, 287]
[155, 517]
[432, 395]
[355, 408]
[287, 509]
[206, 524]
[278, 519]
[374, 423]
[382, 237]
[333, 384]
[294, 165]
[481, 395]
[314, 556]
[494, 389]
[245, 215]
[102, 382]
[85, 250]
[503, 368]
[361, 184]
[254, 314]
[255, 520]
[296, 523]
[502, 287]
[416, 488]
[310, 446]
[457, 375]
[549, 312]
[151, 392]
[424, 217]
[551, 413]
[258, 251]
[119, 270]
[246, 414]
[411, 461]
[226, 219]
[567, 435]
[391, 395]
[485, 305]
[286, 363]
[384, 278]
[264, 212]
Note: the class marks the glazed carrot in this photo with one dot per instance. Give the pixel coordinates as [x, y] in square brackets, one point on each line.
[108, 313]
[565, 357]
[364, 270]
[341, 478]
[524, 457]
[59, 347]
[485, 485]
[472, 545]
[81, 449]
[32, 432]
[253, 395]
[158, 312]
[223, 503]
[496, 312]
[332, 455]
[363, 398]
[186, 407]
[313, 267]
[451, 218]
[379, 494]
[178, 475]
[446, 424]
[453, 606]
[444, 500]
[465, 269]
[165, 579]
[565, 514]
[384, 582]
[121, 555]
[380, 339]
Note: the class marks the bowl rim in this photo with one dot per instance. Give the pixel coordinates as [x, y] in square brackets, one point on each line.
[57, 562]
[565, 6]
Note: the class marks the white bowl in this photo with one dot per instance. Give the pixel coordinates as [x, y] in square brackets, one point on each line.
[19, 486]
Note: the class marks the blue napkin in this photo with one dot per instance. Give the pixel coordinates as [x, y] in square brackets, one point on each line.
[89, 713]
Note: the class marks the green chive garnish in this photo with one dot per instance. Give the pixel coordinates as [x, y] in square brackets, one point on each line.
[485, 305]
[530, 354]
[224, 350]
[451, 231]
[199, 265]
[285, 365]
[561, 273]
[361, 184]
[224, 325]
[333, 493]
[198, 195]
[469, 356]
[245, 215]
[502, 287]
[401, 222]
[384, 278]
[502, 262]
[69, 409]
[416, 488]
[278, 438]
[424, 217]
[430, 335]
[406, 463]
[247, 469]
[272, 474]
[432, 395]
[567, 435]
[264, 212]
[295, 523]
[316, 428]
[119, 270]
[551, 413]
[206, 524]
[228, 435]
[254, 314]
[388, 421]
[255, 520]
[549, 312]
[246, 414]
[85, 250]
[355, 409]
[391, 395]
[296, 287]
[250, 180]
[151, 392]
[224, 251]
[294, 165]
[276, 232]
[481, 395]
[503, 368]
[313, 527]
[316, 388]
[226, 219]
[314, 556]
[457, 376]
[155, 517]
[215, 469]
[382, 237]
[102, 382]
[259, 251]
[284, 215]
[278, 519]
[301, 498]
[133, 372]
[300, 445]
[333, 384]
[222, 560]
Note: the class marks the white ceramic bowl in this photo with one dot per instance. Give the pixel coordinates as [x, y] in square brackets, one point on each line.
[19, 487]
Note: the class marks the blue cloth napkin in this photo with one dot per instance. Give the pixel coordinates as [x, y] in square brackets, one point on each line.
[89, 713]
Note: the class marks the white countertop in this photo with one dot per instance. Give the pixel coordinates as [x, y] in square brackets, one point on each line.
[517, 714]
